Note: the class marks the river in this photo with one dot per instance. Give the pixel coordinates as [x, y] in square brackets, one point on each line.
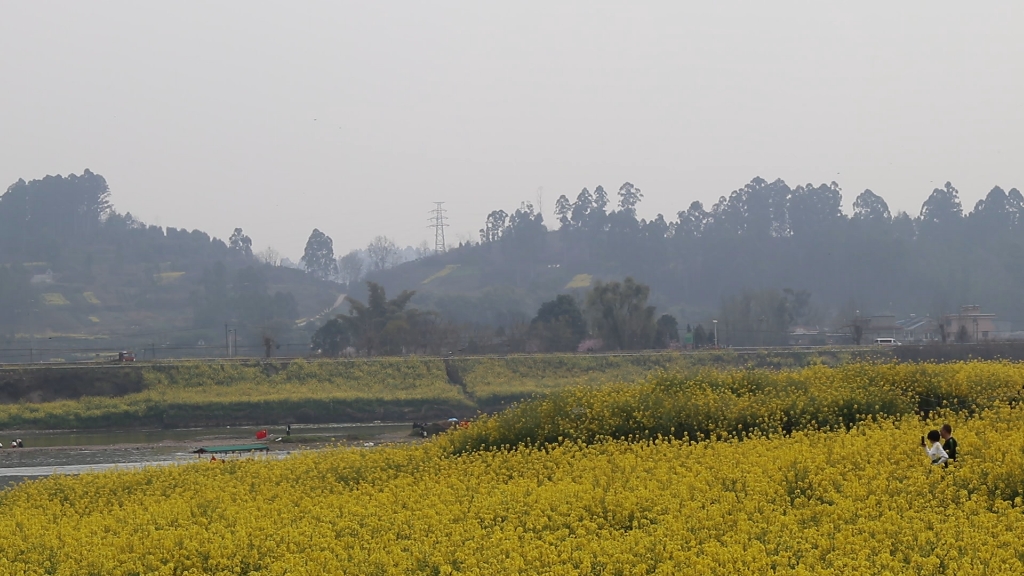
[48, 452]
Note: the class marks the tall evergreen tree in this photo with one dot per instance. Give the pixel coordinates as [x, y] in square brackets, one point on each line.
[318, 258]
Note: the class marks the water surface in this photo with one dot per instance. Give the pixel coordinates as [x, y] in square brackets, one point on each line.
[47, 452]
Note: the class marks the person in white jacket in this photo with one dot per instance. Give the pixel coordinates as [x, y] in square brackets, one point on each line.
[934, 448]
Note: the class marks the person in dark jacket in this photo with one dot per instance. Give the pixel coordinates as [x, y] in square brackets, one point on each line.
[949, 443]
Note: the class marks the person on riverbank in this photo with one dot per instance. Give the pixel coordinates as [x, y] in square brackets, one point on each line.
[934, 449]
[949, 443]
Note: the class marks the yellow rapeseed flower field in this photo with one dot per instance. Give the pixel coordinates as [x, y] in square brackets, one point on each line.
[579, 281]
[856, 498]
[708, 403]
[443, 272]
[54, 299]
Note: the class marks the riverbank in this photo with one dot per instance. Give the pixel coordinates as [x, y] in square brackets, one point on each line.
[73, 451]
[191, 394]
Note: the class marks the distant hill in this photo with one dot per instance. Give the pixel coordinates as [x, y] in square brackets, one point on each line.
[78, 279]
[734, 260]
[473, 285]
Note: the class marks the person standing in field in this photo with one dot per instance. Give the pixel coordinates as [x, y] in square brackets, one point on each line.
[934, 449]
[949, 443]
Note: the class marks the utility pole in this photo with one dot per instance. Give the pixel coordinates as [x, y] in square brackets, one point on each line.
[31, 336]
[438, 223]
[28, 217]
[227, 343]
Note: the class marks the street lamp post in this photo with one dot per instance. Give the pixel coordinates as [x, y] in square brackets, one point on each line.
[31, 334]
[715, 322]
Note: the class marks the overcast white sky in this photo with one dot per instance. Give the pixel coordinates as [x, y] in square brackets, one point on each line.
[354, 117]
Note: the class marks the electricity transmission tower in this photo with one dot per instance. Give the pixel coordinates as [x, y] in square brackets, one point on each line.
[438, 220]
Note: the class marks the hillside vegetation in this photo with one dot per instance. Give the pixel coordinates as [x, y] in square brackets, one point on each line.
[78, 280]
[751, 244]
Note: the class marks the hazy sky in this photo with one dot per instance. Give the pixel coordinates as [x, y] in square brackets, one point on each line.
[355, 117]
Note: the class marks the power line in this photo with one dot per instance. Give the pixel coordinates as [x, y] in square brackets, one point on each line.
[438, 224]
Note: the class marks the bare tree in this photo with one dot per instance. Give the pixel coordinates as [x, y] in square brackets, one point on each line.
[269, 256]
[383, 253]
[423, 250]
[350, 268]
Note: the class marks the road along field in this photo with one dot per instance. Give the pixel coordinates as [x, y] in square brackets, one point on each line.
[823, 477]
[387, 389]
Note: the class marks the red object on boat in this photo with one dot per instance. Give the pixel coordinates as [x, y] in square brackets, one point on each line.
[261, 434]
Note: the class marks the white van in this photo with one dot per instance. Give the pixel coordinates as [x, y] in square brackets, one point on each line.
[886, 342]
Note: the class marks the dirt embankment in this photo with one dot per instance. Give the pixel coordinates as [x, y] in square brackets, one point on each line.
[47, 384]
[1013, 351]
